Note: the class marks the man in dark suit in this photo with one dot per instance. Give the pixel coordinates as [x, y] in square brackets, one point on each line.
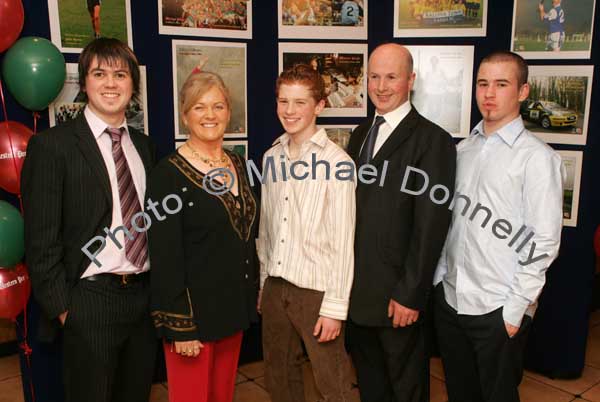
[399, 236]
[83, 185]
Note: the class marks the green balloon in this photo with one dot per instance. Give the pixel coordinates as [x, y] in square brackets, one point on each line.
[12, 242]
[34, 71]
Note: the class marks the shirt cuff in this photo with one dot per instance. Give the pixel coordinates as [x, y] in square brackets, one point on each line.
[514, 310]
[334, 308]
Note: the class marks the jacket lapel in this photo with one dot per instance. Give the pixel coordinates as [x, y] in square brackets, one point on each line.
[398, 136]
[89, 148]
[356, 140]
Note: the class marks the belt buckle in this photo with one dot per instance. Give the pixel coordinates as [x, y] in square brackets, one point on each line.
[124, 279]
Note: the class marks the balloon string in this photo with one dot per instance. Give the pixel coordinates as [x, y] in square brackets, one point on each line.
[3, 103]
[36, 116]
[27, 351]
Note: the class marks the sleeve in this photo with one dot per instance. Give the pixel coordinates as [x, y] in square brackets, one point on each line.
[340, 218]
[41, 190]
[542, 211]
[171, 302]
[430, 224]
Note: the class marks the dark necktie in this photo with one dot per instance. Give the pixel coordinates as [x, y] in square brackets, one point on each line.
[136, 248]
[366, 154]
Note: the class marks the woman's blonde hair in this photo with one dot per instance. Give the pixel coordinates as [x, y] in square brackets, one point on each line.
[196, 85]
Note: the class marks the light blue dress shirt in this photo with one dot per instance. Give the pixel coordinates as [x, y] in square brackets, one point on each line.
[498, 257]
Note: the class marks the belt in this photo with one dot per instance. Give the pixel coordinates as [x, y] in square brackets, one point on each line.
[122, 280]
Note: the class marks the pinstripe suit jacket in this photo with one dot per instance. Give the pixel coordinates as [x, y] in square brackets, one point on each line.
[67, 201]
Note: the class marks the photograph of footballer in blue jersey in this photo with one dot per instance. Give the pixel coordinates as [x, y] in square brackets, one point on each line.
[553, 29]
[441, 18]
[324, 19]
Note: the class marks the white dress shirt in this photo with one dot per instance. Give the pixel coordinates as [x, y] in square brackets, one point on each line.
[306, 231]
[392, 119]
[112, 258]
[520, 179]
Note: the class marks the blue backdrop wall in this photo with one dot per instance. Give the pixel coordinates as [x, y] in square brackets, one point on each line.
[558, 338]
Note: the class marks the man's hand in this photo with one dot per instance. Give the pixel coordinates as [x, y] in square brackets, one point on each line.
[511, 330]
[259, 301]
[402, 316]
[188, 348]
[329, 329]
[63, 317]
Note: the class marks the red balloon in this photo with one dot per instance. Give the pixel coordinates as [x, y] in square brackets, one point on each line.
[11, 22]
[19, 135]
[15, 289]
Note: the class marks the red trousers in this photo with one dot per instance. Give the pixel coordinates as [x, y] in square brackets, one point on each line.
[208, 377]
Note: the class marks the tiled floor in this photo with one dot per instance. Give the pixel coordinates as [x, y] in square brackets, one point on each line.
[250, 385]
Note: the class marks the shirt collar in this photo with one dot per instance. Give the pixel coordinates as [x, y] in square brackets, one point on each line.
[319, 138]
[394, 117]
[508, 133]
[97, 125]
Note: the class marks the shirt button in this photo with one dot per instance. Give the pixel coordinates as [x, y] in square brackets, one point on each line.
[282, 241]
[246, 276]
[286, 198]
[247, 261]
[285, 219]
[278, 262]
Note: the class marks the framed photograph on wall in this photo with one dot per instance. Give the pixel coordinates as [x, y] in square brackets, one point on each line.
[572, 161]
[339, 133]
[443, 86]
[322, 19]
[343, 68]
[75, 23]
[553, 29]
[558, 107]
[221, 18]
[240, 147]
[424, 18]
[70, 102]
[228, 59]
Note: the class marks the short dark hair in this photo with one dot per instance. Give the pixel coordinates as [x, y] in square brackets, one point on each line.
[112, 52]
[303, 74]
[503, 56]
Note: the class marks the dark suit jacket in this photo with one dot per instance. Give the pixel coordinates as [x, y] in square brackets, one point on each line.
[67, 201]
[399, 237]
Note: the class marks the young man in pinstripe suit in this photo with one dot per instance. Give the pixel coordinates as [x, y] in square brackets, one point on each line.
[305, 247]
[82, 180]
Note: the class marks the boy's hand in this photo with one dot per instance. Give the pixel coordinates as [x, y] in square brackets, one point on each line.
[328, 328]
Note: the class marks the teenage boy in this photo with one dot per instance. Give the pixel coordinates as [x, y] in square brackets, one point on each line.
[486, 292]
[305, 246]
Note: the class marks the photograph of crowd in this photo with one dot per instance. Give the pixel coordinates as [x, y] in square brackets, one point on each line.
[426, 18]
[342, 68]
[224, 18]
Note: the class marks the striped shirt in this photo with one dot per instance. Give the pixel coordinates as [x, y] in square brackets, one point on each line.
[306, 231]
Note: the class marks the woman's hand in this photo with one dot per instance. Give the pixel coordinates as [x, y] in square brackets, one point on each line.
[188, 348]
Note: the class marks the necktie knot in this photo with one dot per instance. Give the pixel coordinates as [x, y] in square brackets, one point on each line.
[379, 120]
[115, 133]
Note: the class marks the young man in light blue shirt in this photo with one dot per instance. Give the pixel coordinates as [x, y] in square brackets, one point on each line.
[505, 232]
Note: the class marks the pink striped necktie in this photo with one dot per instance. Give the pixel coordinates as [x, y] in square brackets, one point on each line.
[136, 248]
